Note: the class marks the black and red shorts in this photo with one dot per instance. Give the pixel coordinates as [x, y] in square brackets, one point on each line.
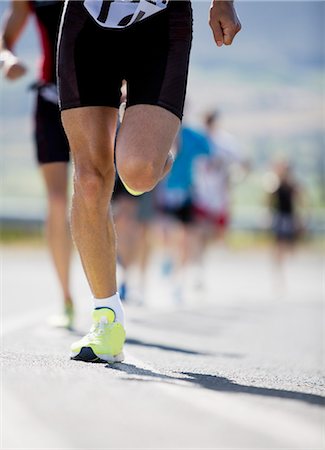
[151, 55]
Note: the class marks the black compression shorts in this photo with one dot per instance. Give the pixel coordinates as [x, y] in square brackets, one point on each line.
[50, 139]
[151, 55]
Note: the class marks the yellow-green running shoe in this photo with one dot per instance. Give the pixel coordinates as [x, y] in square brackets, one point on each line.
[104, 342]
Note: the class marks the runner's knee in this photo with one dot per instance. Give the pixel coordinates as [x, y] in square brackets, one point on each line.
[139, 174]
[94, 185]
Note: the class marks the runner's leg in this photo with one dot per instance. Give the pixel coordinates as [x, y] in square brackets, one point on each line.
[91, 132]
[143, 144]
[58, 232]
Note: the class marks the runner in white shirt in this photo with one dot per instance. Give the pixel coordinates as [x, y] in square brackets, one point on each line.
[211, 178]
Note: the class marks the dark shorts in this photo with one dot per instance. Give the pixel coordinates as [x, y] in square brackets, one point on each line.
[50, 139]
[182, 213]
[285, 227]
[151, 55]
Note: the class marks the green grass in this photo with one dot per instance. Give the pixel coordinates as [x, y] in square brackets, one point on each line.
[13, 235]
[236, 240]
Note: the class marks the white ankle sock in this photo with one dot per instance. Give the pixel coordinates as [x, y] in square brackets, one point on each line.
[113, 303]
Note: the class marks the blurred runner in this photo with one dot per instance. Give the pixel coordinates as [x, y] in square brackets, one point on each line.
[52, 148]
[212, 180]
[175, 199]
[286, 197]
[132, 217]
[148, 44]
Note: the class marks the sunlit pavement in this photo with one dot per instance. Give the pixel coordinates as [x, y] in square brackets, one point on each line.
[233, 364]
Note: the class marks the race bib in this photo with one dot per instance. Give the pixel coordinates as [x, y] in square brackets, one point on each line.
[122, 13]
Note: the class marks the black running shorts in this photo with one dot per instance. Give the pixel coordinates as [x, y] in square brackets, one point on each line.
[183, 213]
[50, 139]
[151, 55]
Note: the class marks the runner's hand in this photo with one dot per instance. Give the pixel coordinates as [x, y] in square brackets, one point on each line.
[12, 67]
[223, 21]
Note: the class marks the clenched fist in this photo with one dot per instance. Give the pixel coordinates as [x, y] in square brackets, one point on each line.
[224, 22]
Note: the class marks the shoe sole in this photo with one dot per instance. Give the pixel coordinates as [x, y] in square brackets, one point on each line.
[87, 354]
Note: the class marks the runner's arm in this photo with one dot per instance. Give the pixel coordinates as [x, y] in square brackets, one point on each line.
[12, 28]
[223, 21]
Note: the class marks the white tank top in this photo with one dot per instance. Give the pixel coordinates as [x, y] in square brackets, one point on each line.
[122, 13]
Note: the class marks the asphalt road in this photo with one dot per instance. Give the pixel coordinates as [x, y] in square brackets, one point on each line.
[239, 367]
